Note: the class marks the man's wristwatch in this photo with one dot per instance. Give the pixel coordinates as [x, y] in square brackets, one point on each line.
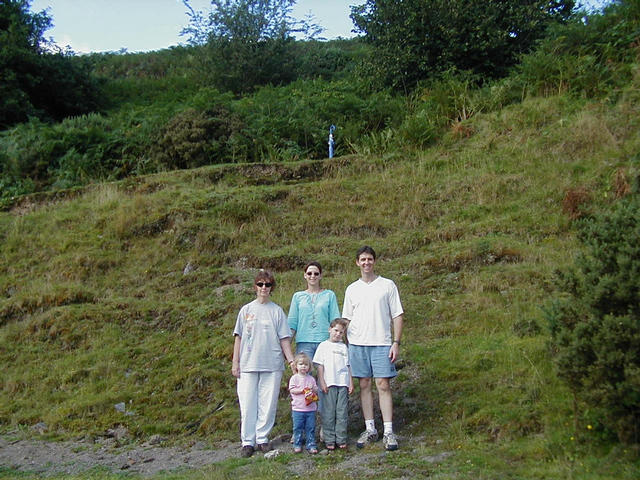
[397, 341]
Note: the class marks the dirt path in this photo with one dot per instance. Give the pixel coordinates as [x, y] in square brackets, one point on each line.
[151, 458]
[75, 457]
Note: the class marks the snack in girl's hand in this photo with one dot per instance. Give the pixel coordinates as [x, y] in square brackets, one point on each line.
[310, 396]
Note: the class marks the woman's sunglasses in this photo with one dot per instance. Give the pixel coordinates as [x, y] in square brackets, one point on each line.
[313, 274]
[263, 284]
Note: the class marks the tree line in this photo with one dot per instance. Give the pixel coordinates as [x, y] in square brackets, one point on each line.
[243, 44]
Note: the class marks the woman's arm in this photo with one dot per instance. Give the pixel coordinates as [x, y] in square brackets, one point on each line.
[285, 345]
[235, 364]
[334, 310]
[292, 318]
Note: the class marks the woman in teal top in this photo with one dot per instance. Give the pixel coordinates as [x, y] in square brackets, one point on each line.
[311, 312]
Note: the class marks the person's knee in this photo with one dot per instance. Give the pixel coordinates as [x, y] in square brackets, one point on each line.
[383, 385]
[365, 384]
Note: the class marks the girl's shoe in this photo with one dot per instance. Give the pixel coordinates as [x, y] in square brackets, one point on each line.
[313, 451]
[331, 446]
[297, 449]
[342, 446]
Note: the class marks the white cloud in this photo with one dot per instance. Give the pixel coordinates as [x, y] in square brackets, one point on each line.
[78, 47]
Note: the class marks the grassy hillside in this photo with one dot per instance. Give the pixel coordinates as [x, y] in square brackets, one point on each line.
[97, 305]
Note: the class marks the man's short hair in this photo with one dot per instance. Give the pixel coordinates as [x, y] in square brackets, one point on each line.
[365, 249]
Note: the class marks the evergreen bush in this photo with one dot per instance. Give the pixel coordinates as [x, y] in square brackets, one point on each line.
[595, 321]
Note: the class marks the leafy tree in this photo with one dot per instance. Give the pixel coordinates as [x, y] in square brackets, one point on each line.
[595, 322]
[413, 39]
[21, 42]
[246, 43]
[35, 80]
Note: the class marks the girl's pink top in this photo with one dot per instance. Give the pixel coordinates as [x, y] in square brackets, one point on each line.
[298, 402]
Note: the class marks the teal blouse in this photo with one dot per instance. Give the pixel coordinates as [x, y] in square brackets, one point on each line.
[310, 315]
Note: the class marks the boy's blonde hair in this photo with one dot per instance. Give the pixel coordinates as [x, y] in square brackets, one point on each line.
[305, 359]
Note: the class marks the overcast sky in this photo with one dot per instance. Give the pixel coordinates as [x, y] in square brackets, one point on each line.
[144, 25]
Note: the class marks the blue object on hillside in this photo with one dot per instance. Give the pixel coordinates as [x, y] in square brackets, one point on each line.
[332, 129]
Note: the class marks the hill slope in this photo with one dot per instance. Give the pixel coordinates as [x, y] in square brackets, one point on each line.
[128, 292]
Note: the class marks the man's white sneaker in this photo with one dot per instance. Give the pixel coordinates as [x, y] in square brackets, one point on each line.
[367, 437]
[390, 441]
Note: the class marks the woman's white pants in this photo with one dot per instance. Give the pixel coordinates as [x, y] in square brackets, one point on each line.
[258, 397]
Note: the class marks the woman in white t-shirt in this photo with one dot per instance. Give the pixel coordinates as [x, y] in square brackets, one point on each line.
[262, 341]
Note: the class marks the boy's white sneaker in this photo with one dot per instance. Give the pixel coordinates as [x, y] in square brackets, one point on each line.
[366, 437]
[390, 441]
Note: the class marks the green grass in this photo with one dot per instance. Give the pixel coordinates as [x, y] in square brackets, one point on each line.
[95, 308]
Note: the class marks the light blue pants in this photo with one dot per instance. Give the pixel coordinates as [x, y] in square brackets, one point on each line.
[304, 427]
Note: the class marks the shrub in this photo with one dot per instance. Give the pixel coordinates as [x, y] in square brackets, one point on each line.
[595, 321]
[326, 60]
[447, 100]
[376, 143]
[420, 129]
[73, 152]
[10, 188]
[589, 56]
[194, 138]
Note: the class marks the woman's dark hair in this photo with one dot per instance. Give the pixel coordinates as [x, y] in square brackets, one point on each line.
[313, 264]
[265, 276]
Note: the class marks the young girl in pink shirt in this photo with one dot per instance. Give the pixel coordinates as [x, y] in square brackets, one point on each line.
[304, 403]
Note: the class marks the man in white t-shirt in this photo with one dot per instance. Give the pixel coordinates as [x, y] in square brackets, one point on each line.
[372, 306]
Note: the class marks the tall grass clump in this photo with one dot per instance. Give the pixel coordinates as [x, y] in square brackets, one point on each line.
[444, 102]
